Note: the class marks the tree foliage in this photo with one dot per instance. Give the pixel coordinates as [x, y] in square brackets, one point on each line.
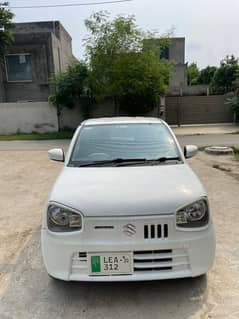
[206, 75]
[193, 74]
[137, 81]
[68, 87]
[121, 66]
[225, 77]
[196, 76]
[220, 79]
[6, 26]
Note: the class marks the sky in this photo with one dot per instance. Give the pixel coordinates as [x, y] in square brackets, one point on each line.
[210, 27]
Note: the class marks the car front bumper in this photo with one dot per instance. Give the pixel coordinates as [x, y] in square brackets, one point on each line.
[180, 253]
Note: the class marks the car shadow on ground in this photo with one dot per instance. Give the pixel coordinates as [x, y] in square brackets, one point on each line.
[33, 294]
[179, 298]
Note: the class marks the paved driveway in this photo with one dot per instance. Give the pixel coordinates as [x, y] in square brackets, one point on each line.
[27, 292]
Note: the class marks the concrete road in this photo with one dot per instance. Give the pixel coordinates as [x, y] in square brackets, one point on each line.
[29, 293]
[199, 140]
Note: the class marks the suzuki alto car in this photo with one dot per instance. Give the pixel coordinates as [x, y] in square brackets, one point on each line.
[126, 206]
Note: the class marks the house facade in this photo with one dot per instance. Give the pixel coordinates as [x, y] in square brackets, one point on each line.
[176, 54]
[40, 50]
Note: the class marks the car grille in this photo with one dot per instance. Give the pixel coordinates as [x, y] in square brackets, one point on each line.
[156, 231]
[160, 260]
[144, 261]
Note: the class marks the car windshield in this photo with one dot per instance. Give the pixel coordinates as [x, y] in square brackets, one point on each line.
[123, 142]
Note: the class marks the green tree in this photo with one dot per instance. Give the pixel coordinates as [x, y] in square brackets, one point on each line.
[70, 88]
[6, 26]
[193, 74]
[225, 77]
[137, 81]
[121, 66]
[206, 75]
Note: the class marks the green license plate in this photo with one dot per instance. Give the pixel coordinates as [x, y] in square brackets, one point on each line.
[110, 263]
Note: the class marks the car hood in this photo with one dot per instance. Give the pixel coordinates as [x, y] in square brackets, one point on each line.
[119, 191]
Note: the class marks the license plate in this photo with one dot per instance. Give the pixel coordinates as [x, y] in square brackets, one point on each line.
[110, 263]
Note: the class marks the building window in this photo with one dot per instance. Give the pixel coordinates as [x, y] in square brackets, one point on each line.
[18, 67]
[164, 53]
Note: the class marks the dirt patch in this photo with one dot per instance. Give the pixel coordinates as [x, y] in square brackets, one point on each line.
[227, 163]
[26, 178]
[222, 294]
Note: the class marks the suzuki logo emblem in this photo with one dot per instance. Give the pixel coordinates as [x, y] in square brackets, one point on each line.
[129, 230]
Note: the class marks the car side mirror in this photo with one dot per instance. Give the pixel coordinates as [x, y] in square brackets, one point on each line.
[56, 154]
[190, 151]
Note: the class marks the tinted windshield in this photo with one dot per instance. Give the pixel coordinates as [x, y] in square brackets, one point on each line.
[123, 141]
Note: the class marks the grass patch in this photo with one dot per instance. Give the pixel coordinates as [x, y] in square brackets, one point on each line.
[37, 136]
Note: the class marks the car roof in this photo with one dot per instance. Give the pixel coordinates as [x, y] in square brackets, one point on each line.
[122, 120]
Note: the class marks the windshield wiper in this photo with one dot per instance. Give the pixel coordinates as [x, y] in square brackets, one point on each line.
[125, 161]
[113, 161]
[165, 159]
[150, 161]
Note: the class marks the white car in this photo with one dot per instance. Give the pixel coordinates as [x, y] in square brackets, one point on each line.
[126, 206]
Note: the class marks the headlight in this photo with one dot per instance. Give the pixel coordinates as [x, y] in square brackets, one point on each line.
[60, 219]
[193, 215]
